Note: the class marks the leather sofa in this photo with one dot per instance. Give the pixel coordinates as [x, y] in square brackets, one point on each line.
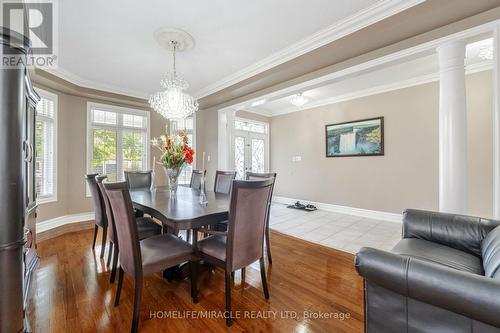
[443, 276]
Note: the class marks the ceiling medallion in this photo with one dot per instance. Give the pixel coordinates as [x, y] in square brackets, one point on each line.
[174, 102]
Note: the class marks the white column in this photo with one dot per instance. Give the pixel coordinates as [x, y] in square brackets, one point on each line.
[225, 139]
[496, 123]
[452, 128]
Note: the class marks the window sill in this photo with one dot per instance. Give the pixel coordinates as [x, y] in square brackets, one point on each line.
[42, 201]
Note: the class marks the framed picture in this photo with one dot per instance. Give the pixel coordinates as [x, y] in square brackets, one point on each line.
[355, 138]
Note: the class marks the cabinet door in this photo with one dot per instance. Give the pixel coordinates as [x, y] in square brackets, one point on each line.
[30, 156]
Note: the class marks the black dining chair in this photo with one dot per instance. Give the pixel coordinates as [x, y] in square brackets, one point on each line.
[260, 176]
[100, 219]
[196, 176]
[137, 180]
[146, 227]
[141, 258]
[223, 181]
[243, 242]
[195, 183]
[222, 184]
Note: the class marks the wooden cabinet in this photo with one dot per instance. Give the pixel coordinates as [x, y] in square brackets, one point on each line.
[31, 260]
[18, 257]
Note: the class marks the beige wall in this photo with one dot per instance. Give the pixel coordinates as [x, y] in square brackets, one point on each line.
[407, 176]
[71, 154]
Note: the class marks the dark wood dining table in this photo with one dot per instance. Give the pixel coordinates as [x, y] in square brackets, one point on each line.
[182, 212]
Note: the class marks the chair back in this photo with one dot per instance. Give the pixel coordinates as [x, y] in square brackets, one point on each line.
[139, 179]
[223, 181]
[126, 227]
[97, 200]
[109, 212]
[260, 176]
[196, 179]
[247, 220]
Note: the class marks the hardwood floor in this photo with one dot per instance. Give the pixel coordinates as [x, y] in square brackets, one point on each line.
[71, 293]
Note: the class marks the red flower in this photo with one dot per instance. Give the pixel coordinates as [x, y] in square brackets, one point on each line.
[188, 154]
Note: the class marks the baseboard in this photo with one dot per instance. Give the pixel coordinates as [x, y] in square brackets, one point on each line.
[372, 214]
[63, 220]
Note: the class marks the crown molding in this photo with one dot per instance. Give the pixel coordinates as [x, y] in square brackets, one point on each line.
[84, 83]
[368, 16]
[387, 60]
[415, 81]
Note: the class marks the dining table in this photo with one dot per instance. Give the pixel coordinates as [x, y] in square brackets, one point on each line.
[182, 211]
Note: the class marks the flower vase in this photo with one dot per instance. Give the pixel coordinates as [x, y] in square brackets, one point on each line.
[203, 194]
[173, 180]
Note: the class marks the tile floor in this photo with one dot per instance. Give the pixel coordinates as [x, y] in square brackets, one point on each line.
[344, 232]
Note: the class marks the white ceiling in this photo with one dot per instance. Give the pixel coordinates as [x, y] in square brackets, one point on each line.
[110, 43]
[411, 72]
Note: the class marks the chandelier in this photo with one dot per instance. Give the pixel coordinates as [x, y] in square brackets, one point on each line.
[299, 100]
[173, 102]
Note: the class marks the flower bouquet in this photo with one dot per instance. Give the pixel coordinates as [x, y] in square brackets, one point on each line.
[176, 153]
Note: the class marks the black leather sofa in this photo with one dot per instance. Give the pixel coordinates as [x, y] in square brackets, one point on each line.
[443, 276]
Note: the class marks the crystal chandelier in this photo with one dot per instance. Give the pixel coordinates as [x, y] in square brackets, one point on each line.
[299, 100]
[173, 102]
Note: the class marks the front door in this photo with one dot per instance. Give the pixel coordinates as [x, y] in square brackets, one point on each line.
[250, 149]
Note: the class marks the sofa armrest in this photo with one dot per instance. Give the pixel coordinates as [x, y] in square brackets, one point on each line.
[468, 294]
[461, 232]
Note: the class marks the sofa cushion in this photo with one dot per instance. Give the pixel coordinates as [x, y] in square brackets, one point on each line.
[439, 254]
[490, 248]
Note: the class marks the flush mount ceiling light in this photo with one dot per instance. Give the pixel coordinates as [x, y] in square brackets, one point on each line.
[173, 102]
[486, 52]
[299, 100]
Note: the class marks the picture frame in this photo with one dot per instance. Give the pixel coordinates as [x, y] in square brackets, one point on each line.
[364, 137]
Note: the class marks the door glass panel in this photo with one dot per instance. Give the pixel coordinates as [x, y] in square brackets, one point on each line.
[104, 153]
[258, 155]
[239, 157]
[133, 150]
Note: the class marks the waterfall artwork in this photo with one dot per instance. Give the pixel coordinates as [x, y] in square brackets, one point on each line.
[355, 138]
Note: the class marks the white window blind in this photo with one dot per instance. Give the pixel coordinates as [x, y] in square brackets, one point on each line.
[187, 126]
[117, 140]
[45, 147]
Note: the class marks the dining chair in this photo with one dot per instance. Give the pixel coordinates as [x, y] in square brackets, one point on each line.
[100, 214]
[139, 258]
[243, 242]
[196, 176]
[222, 184]
[146, 227]
[223, 181]
[260, 176]
[139, 180]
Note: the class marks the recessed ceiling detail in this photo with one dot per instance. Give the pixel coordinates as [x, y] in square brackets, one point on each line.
[118, 53]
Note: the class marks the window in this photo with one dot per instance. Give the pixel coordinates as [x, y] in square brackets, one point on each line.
[188, 126]
[250, 126]
[45, 147]
[117, 140]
